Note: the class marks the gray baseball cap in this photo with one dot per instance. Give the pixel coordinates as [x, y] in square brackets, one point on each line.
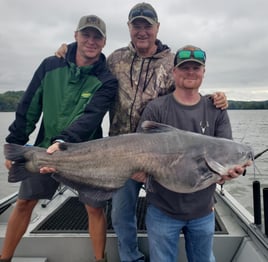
[92, 21]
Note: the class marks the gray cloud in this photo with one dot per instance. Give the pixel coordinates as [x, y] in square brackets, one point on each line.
[233, 33]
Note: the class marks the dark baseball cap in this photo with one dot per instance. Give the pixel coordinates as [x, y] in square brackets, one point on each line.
[144, 11]
[190, 53]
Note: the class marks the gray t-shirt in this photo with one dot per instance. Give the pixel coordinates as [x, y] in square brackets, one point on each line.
[204, 118]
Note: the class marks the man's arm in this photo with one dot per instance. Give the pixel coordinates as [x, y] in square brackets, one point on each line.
[61, 52]
[85, 126]
[220, 100]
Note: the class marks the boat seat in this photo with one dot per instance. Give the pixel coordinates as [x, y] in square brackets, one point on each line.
[60, 191]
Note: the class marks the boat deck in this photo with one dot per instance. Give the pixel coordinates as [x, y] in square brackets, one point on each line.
[58, 233]
[71, 217]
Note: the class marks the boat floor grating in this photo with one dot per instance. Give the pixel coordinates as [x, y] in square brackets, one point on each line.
[71, 217]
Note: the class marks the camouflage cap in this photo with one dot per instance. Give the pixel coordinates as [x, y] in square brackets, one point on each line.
[144, 11]
[92, 21]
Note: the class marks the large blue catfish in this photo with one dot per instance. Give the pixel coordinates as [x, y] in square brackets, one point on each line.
[181, 161]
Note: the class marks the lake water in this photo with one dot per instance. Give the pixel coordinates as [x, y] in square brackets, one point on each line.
[249, 126]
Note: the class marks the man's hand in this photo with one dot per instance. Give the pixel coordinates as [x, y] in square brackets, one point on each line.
[53, 148]
[234, 173]
[220, 100]
[61, 52]
[8, 164]
[139, 177]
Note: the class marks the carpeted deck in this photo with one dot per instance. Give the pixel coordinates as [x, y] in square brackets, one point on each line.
[71, 217]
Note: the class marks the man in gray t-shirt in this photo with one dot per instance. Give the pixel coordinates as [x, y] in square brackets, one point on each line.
[168, 212]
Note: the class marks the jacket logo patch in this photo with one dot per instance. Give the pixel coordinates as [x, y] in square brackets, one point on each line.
[85, 95]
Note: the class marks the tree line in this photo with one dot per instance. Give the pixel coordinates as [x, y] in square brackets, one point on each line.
[247, 104]
[10, 99]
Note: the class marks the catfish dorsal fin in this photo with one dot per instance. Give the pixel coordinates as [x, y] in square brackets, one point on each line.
[67, 146]
[154, 127]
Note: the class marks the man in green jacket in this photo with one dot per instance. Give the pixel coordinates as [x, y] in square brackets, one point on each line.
[72, 95]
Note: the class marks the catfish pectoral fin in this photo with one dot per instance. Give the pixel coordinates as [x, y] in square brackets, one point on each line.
[18, 172]
[91, 193]
[215, 166]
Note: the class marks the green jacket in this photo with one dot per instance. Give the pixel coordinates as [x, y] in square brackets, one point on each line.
[71, 100]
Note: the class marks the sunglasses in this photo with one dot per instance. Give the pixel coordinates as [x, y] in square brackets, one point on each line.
[142, 12]
[197, 54]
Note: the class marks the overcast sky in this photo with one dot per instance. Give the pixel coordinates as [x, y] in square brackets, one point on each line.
[234, 34]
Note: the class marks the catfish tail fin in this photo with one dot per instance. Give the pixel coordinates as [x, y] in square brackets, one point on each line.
[18, 172]
[16, 153]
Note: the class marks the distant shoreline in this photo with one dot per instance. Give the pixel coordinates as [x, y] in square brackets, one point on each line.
[10, 99]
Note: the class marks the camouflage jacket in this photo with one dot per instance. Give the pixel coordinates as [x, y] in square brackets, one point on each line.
[140, 81]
